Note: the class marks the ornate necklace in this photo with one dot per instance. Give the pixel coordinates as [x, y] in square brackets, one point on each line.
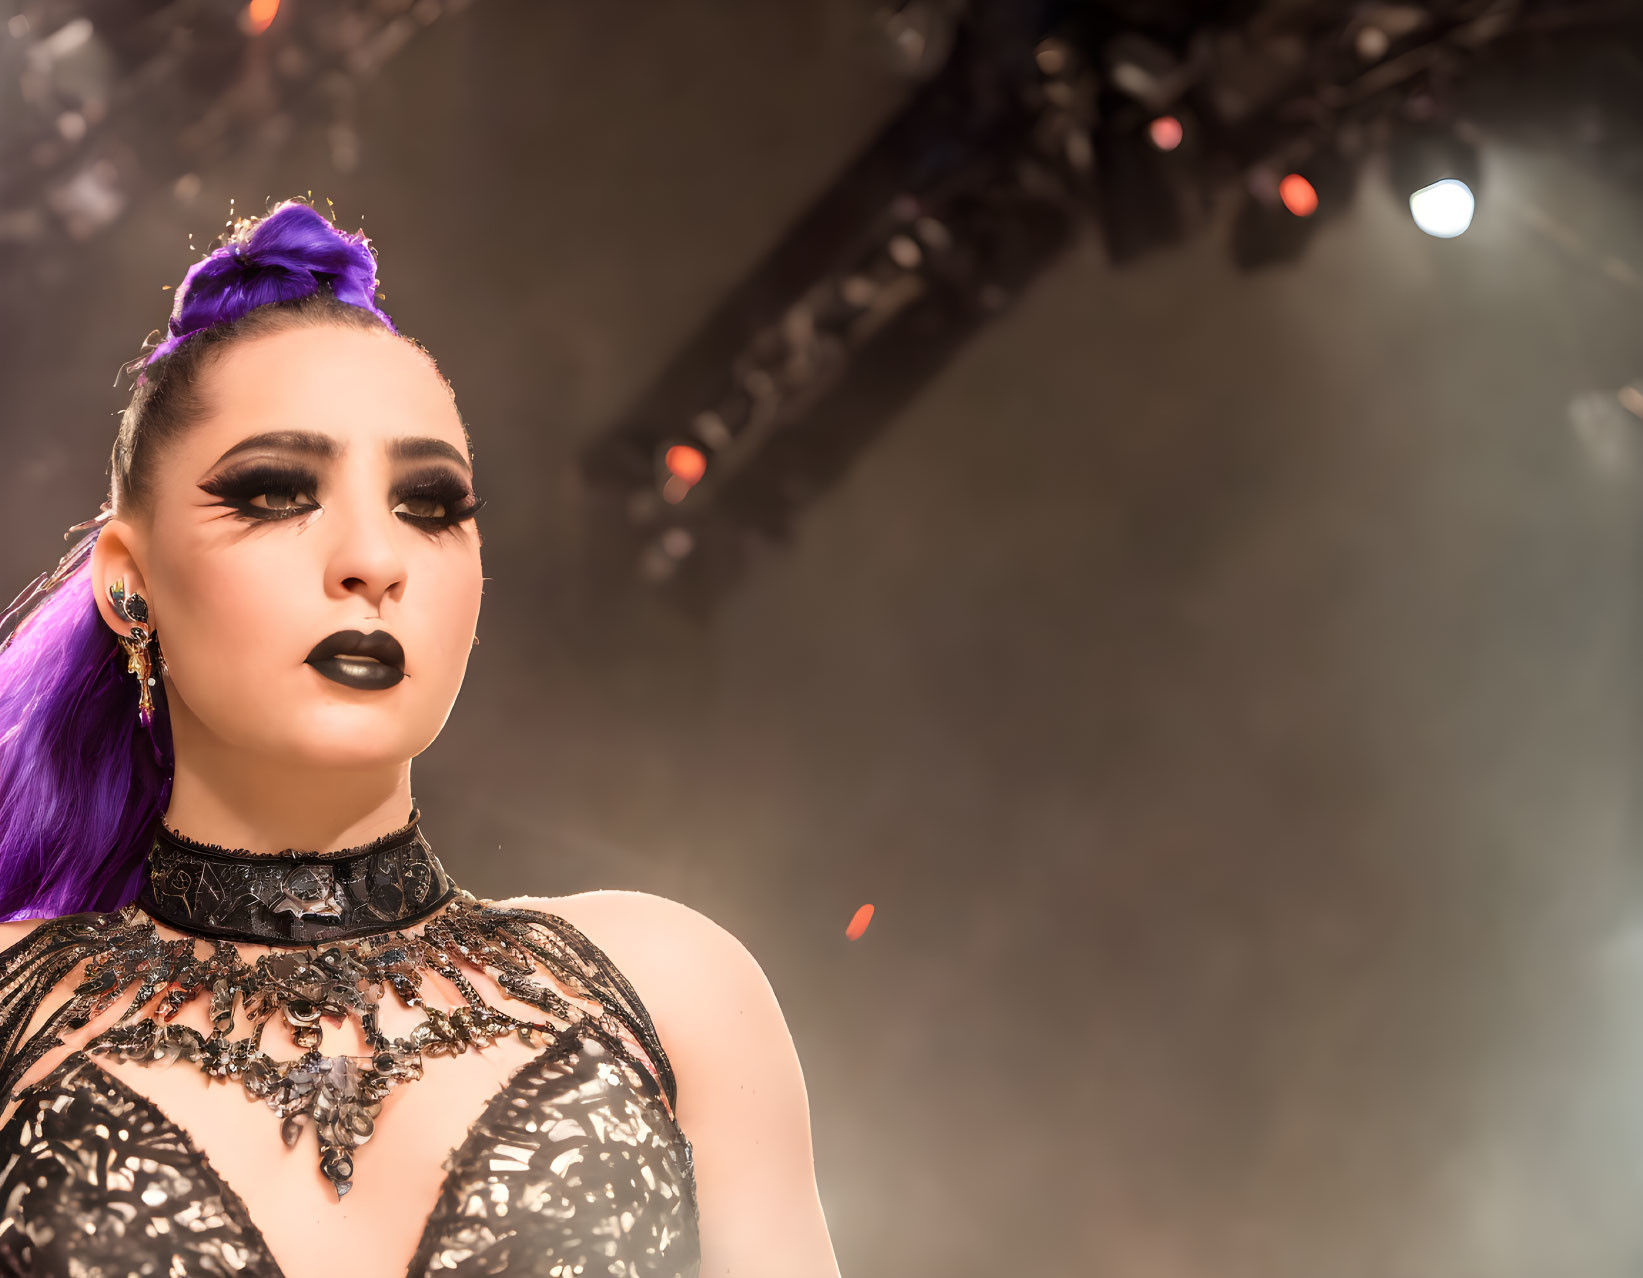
[341, 918]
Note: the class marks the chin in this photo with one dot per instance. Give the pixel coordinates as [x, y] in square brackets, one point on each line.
[349, 757]
[371, 733]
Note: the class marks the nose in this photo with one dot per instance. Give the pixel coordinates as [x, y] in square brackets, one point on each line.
[366, 559]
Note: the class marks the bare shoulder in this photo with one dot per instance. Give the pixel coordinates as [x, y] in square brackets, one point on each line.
[631, 914]
[673, 955]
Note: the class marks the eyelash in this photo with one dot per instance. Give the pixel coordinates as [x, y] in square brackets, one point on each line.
[237, 489]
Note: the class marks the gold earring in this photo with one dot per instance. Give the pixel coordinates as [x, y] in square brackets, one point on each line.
[133, 610]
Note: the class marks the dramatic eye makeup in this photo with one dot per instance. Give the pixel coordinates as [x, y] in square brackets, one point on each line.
[265, 491]
[434, 498]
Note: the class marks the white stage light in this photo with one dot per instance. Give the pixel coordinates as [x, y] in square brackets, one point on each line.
[1443, 209]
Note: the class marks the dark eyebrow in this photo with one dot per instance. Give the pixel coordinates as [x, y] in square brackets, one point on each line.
[423, 447]
[405, 448]
[291, 441]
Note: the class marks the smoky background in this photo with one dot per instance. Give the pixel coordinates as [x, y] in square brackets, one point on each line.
[1212, 651]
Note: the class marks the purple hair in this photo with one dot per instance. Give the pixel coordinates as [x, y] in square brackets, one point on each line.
[81, 782]
[286, 256]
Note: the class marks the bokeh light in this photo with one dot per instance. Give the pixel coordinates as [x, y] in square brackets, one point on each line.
[259, 15]
[685, 463]
[1443, 209]
[1166, 132]
[1298, 195]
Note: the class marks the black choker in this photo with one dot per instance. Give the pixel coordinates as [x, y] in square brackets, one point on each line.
[292, 897]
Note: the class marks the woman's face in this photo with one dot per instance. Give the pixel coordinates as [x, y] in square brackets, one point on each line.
[327, 490]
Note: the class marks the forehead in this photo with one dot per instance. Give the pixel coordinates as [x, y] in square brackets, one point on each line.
[355, 384]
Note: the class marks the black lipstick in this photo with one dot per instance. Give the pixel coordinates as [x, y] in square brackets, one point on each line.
[359, 660]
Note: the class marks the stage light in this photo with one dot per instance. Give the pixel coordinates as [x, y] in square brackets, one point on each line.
[1280, 214]
[1438, 172]
[1443, 209]
[686, 463]
[859, 922]
[259, 15]
[1166, 132]
[683, 466]
[1298, 195]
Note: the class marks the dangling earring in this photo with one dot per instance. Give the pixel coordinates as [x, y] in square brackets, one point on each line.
[133, 610]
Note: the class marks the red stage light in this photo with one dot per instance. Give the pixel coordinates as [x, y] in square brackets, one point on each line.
[1298, 195]
[259, 15]
[685, 463]
[1166, 132]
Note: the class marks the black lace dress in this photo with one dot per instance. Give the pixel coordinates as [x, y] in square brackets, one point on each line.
[575, 1167]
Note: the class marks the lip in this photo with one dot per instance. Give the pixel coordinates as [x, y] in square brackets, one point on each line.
[369, 661]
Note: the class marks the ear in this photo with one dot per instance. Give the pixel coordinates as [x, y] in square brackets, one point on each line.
[114, 561]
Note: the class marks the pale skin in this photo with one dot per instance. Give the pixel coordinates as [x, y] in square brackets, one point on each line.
[270, 755]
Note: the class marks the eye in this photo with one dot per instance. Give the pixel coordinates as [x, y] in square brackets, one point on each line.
[277, 501]
[421, 508]
[435, 500]
[265, 492]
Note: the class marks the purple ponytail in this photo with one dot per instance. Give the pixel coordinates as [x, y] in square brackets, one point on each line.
[81, 781]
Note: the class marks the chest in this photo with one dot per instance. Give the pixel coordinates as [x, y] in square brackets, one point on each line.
[504, 1112]
[569, 1165]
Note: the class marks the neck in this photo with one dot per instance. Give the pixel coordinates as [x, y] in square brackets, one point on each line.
[261, 806]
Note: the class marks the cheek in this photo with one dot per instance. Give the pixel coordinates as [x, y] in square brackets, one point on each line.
[230, 614]
[445, 612]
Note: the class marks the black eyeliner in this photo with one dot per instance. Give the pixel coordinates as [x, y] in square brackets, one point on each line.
[443, 485]
[237, 488]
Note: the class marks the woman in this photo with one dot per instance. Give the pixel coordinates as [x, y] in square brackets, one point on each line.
[206, 858]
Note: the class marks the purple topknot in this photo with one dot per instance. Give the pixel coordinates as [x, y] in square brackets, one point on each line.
[286, 255]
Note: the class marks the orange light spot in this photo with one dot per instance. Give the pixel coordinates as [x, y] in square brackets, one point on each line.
[1166, 132]
[1298, 196]
[858, 923]
[259, 15]
[686, 462]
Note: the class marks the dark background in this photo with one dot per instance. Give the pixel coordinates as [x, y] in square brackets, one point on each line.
[1223, 685]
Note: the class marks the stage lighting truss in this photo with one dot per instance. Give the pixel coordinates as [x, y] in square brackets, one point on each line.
[991, 169]
[109, 101]
[1018, 139]
[937, 257]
